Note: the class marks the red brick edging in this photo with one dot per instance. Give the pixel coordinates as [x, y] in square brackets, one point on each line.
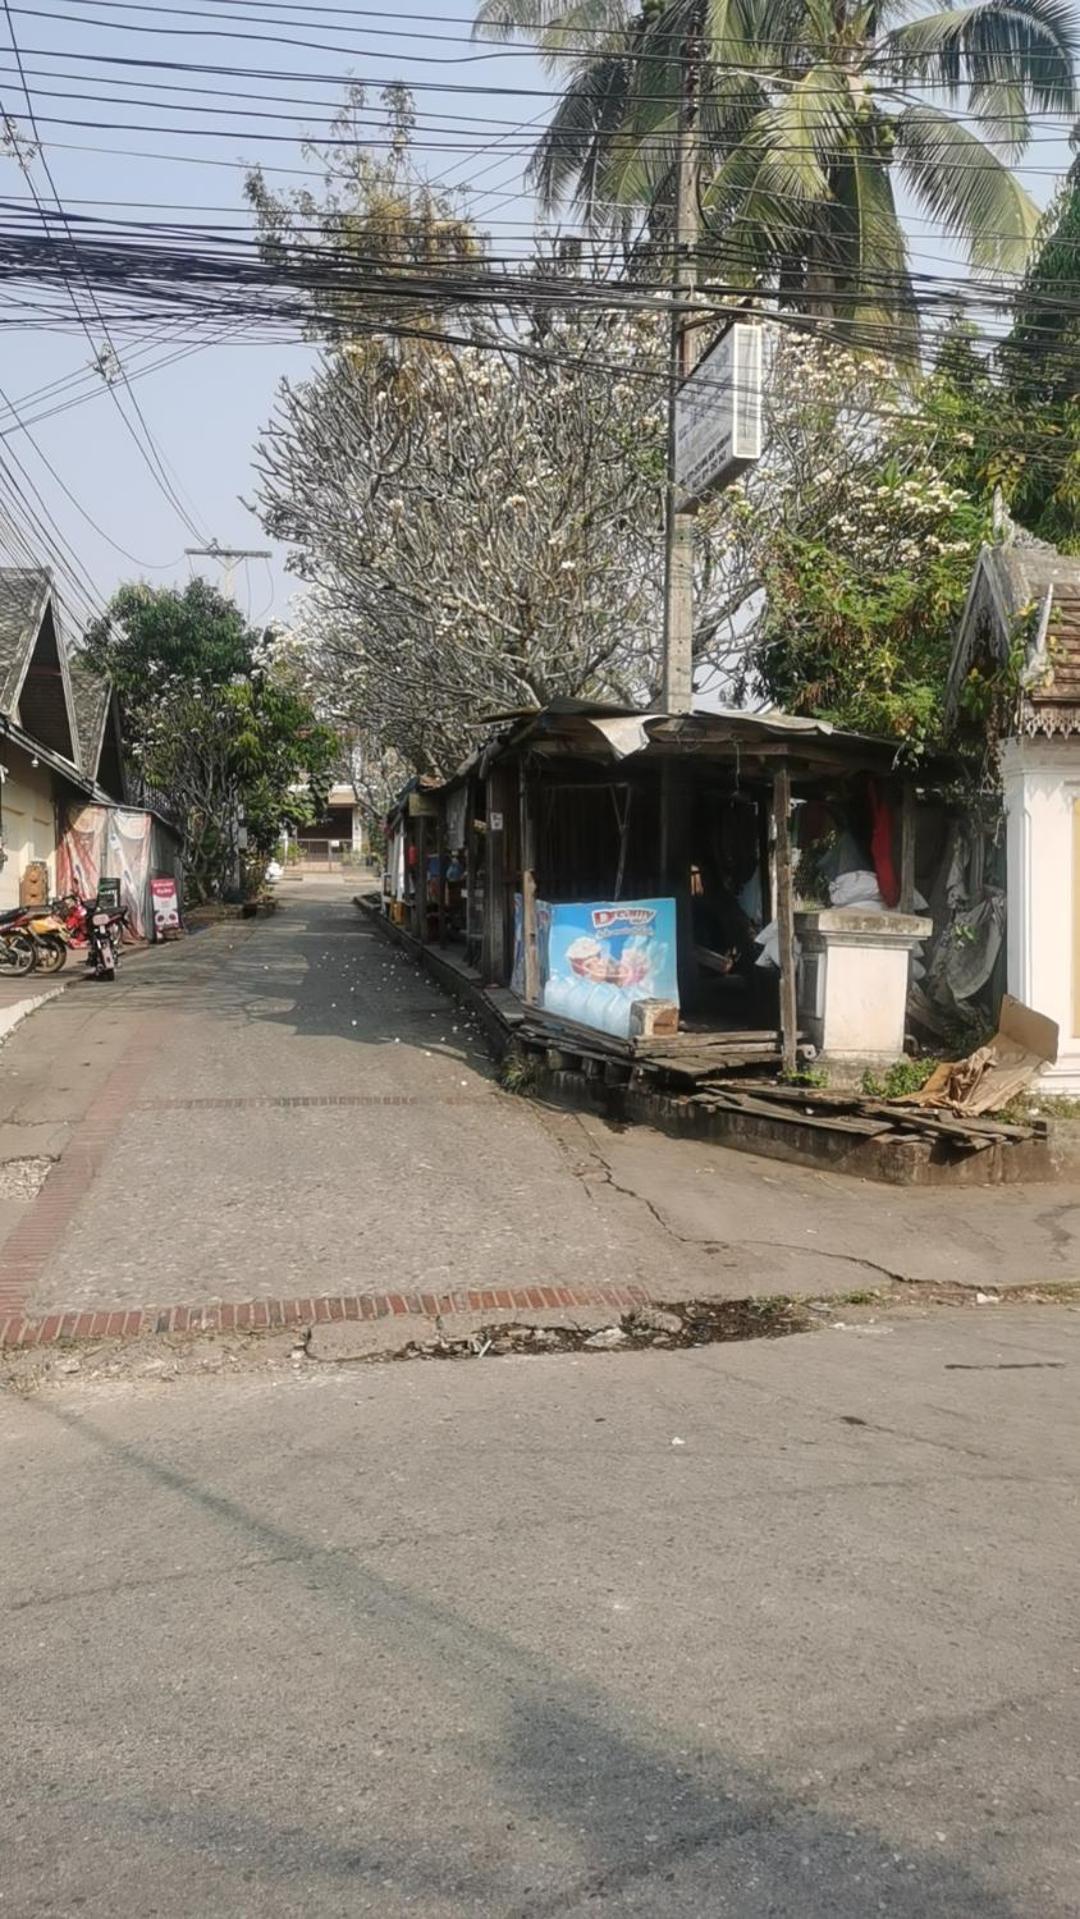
[268, 1315]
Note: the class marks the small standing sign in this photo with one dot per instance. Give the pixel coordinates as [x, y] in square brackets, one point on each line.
[166, 907]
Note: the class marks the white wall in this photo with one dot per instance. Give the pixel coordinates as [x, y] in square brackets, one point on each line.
[28, 819]
[1042, 793]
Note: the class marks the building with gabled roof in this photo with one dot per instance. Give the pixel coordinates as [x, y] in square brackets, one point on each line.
[1025, 598]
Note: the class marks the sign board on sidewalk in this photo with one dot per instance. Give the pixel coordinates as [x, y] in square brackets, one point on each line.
[108, 895]
[601, 958]
[718, 414]
[166, 907]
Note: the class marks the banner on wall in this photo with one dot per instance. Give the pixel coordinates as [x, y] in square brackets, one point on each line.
[118, 843]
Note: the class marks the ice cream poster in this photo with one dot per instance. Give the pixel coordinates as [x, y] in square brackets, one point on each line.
[603, 956]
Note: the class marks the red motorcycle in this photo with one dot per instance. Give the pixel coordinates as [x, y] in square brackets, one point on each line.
[75, 913]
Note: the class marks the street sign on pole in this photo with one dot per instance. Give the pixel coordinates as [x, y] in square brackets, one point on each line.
[718, 415]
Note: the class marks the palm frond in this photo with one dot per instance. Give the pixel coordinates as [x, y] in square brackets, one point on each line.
[534, 19]
[803, 131]
[873, 290]
[748, 33]
[962, 183]
[1006, 54]
[571, 153]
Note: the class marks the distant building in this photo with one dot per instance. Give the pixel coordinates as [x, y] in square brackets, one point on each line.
[59, 732]
[63, 792]
[338, 837]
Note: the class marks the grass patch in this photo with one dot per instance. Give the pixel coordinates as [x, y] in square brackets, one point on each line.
[519, 1072]
[904, 1076]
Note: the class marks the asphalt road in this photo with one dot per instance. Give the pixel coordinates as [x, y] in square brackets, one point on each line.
[782, 1629]
[290, 1107]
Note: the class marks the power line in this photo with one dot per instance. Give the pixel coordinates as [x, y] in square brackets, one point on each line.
[149, 452]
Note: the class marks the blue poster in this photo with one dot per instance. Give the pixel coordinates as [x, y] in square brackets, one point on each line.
[602, 957]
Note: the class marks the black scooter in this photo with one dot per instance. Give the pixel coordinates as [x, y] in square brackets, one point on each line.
[104, 930]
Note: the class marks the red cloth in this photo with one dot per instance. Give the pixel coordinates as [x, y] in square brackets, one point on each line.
[881, 846]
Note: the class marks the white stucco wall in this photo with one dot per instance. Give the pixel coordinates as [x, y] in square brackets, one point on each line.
[1042, 789]
[28, 819]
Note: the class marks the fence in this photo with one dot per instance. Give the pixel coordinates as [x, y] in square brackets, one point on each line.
[324, 856]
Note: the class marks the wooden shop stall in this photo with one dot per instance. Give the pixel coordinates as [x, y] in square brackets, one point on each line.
[635, 879]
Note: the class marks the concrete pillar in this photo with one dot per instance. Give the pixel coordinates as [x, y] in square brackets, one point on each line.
[1041, 779]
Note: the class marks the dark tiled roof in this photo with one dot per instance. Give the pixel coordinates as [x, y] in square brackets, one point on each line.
[1023, 585]
[1062, 649]
[24, 594]
[91, 695]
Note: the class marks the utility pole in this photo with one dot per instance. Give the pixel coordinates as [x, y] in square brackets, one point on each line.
[230, 555]
[678, 677]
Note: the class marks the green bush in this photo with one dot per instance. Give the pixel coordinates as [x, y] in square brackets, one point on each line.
[904, 1076]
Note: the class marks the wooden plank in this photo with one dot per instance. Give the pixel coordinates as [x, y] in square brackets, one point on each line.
[494, 964]
[785, 918]
[693, 1072]
[443, 863]
[907, 848]
[555, 1023]
[420, 898]
[813, 1096]
[673, 1045]
[992, 1128]
[825, 1122]
[528, 890]
[1075, 916]
[764, 861]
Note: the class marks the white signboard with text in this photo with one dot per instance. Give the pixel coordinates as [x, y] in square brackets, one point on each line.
[718, 414]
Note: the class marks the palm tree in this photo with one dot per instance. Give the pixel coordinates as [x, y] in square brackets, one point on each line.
[805, 113]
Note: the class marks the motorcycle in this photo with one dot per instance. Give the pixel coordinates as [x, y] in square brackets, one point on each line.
[16, 946]
[73, 911]
[105, 929]
[44, 928]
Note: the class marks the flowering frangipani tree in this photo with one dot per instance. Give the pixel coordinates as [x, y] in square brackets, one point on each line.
[860, 542]
[473, 490]
[479, 530]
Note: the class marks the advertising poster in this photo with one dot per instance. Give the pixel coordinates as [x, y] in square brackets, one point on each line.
[601, 957]
[166, 906]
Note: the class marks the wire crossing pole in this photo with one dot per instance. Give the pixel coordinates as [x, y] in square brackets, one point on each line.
[229, 555]
[678, 677]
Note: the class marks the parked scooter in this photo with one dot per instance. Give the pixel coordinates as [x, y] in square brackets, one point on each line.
[44, 928]
[16, 946]
[105, 928]
[75, 914]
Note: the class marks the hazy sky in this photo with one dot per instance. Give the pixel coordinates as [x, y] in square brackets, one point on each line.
[206, 411]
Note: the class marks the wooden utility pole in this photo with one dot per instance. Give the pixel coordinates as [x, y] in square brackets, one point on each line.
[528, 890]
[907, 848]
[785, 919]
[420, 900]
[678, 679]
[229, 557]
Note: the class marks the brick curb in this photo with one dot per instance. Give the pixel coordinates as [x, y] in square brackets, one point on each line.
[268, 1315]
